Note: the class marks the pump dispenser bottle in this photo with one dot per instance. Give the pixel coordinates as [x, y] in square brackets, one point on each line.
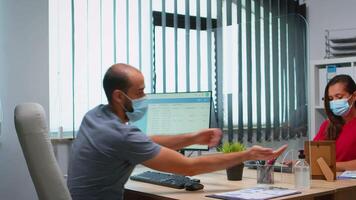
[301, 172]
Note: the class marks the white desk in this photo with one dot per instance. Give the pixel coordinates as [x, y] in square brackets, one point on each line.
[217, 182]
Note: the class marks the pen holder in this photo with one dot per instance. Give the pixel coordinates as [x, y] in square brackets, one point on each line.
[265, 174]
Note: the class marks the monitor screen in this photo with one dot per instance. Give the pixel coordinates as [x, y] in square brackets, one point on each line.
[177, 113]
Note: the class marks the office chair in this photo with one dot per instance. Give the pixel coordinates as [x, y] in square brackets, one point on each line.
[32, 131]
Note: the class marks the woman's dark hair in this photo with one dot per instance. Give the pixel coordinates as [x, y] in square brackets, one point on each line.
[337, 122]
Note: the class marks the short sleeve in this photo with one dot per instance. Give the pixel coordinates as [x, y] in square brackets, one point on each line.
[322, 130]
[137, 147]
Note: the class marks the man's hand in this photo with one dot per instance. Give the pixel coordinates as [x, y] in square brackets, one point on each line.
[210, 137]
[261, 153]
[279, 151]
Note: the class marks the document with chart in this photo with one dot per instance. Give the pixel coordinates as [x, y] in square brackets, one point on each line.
[255, 193]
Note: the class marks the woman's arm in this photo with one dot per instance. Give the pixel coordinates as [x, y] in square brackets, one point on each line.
[347, 165]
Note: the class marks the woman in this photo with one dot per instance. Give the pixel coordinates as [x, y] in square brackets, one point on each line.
[340, 107]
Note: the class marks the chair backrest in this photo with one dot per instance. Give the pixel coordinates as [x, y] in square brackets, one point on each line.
[32, 131]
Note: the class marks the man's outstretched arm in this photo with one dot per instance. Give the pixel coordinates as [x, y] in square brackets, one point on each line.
[168, 160]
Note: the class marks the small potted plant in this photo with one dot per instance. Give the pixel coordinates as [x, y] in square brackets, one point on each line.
[234, 172]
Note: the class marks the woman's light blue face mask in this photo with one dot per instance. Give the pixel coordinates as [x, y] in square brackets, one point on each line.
[139, 107]
[340, 107]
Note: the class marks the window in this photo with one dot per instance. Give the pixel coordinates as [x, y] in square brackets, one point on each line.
[249, 53]
[190, 64]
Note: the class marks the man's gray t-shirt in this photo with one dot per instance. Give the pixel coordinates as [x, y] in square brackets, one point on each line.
[104, 155]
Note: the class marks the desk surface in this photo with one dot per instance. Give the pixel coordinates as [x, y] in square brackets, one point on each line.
[217, 182]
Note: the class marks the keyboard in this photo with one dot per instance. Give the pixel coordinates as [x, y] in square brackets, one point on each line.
[168, 180]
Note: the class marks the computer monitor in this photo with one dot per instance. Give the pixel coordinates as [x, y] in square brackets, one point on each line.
[177, 113]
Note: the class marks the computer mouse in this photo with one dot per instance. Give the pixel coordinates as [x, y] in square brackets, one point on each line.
[195, 180]
[193, 186]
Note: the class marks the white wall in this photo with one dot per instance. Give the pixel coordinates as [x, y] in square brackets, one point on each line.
[23, 78]
[328, 14]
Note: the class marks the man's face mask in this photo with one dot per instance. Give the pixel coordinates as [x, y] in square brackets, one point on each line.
[139, 108]
[340, 107]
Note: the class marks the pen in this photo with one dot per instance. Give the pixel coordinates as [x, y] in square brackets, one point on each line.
[258, 162]
[272, 161]
[263, 162]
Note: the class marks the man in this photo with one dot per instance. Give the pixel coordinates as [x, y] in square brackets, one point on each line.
[107, 147]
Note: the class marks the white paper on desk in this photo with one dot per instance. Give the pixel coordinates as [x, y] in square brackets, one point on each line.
[255, 193]
[347, 174]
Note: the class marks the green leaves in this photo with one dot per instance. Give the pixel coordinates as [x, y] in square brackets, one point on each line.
[228, 147]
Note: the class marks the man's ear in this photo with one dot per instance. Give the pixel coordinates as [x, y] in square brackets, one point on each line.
[117, 96]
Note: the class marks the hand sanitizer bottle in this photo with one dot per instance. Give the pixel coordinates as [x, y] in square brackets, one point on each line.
[301, 172]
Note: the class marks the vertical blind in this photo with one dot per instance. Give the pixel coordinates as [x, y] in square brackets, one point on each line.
[264, 66]
[251, 54]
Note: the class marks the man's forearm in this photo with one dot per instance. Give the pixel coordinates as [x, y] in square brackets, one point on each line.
[174, 142]
[210, 163]
[173, 162]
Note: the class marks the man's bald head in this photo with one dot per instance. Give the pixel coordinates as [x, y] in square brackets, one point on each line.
[117, 77]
